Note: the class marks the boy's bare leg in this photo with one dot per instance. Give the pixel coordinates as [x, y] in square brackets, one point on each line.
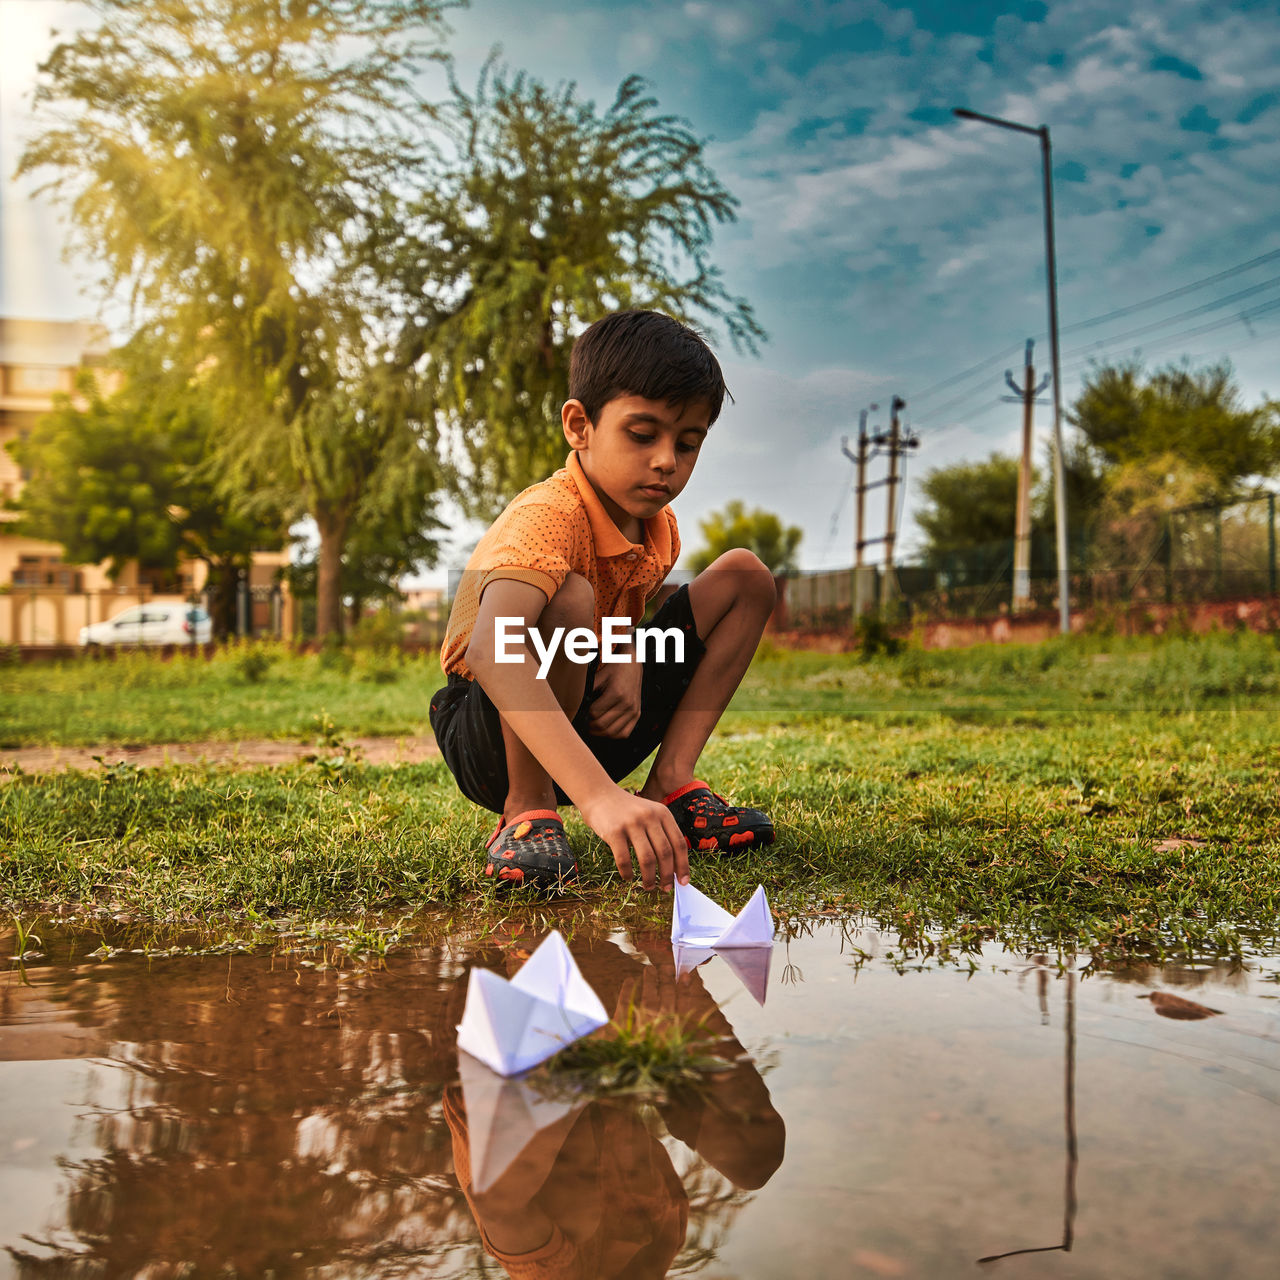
[529, 786]
[731, 602]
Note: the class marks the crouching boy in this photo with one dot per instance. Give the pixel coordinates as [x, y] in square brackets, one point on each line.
[554, 693]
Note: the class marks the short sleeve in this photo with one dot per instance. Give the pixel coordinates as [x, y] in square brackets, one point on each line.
[533, 543]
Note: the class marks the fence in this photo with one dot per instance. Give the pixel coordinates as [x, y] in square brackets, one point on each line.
[1186, 556]
[34, 616]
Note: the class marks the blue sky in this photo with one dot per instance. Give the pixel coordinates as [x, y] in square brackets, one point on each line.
[886, 245]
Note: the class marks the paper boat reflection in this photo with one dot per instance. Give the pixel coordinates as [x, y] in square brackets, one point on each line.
[503, 1117]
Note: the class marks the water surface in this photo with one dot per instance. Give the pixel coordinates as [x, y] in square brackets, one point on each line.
[253, 1116]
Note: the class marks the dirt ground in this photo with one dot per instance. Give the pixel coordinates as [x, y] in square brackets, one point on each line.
[248, 754]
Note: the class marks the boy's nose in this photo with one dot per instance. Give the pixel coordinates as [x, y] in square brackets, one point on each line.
[664, 458]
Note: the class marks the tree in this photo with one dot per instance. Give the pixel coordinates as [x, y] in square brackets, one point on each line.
[127, 477]
[391, 536]
[1195, 415]
[224, 163]
[757, 530]
[968, 505]
[545, 215]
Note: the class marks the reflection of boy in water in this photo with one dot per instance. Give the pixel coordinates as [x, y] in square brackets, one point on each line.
[595, 1195]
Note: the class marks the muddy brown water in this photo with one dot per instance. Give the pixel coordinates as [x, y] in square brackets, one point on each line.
[252, 1116]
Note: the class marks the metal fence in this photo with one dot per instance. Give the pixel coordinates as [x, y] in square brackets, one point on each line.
[1184, 556]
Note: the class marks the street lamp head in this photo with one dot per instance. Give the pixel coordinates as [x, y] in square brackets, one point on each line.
[964, 113]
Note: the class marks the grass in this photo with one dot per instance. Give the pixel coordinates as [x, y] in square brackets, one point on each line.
[639, 1053]
[1118, 797]
[243, 691]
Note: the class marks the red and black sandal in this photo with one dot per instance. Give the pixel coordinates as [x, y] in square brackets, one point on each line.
[531, 849]
[709, 823]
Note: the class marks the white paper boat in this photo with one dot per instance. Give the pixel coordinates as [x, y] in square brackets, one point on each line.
[696, 921]
[512, 1026]
[503, 1117]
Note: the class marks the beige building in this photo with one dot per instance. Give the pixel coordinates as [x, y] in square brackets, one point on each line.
[43, 599]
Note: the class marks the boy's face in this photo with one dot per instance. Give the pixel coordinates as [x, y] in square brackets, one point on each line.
[638, 455]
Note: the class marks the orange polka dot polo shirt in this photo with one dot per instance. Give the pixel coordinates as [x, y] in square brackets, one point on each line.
[553, 529]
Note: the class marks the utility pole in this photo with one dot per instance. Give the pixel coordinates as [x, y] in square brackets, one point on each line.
[891, 506]
[860, 596]
[860, 488]
[1022, 524]
[896, 444]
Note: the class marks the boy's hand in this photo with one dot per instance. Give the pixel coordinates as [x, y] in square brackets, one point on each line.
[626, 822]
[615, 707]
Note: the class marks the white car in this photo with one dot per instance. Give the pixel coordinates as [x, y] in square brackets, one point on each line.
[152, 624]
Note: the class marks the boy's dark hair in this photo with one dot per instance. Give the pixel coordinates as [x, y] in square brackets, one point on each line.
[644, 353]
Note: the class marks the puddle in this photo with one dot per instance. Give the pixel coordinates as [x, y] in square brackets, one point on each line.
[249, 1116]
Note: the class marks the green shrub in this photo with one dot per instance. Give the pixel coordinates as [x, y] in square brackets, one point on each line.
[253, 663]
[334, 655]
[874, 637]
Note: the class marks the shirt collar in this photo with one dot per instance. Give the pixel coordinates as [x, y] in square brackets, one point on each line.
[608, 538]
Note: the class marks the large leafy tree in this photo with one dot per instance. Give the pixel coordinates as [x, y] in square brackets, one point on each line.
[124, 474]
[545, 215]
[1126, 417]
[757, 530]
[223, 163]
[968, 504]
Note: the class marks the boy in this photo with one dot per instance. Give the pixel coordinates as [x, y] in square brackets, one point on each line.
[526, 726]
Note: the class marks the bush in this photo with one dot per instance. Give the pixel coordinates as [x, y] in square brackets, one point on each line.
[253, 663]
[334, 655]
[381, 632]
[873, 637]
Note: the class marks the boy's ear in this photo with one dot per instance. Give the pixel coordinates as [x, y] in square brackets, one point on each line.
[573, 417]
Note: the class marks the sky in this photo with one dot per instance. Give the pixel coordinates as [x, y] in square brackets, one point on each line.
[889, 248]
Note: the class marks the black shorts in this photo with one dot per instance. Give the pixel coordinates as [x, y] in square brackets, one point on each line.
[469, 732]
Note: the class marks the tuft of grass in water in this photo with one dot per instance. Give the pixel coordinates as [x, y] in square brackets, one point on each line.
[26, 942]
[641, 1053]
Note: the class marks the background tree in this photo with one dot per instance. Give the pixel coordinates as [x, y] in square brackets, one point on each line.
[545, 215]
[392, 535]
[1195, 415]
[757, 530]
[223, 163]
[127, 477]
[968, 505]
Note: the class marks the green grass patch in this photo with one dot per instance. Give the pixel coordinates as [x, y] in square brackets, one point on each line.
[242, 691]
[640, 1053]
[1115, 797]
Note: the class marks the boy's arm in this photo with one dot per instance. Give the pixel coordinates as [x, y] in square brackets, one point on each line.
[528, 705]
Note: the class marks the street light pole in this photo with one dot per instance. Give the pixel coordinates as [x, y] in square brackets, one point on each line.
[1059, 472]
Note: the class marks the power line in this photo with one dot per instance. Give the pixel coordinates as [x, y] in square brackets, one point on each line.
[1191, 312]
[1173, 293]
[1243, 317]
[1239, 268]
[960, 377]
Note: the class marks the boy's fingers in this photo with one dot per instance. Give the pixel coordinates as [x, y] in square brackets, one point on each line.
[622, 858]
[680, 847]
[644, 856]
[615, 725]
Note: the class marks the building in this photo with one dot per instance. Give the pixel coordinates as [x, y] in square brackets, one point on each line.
[43, 599]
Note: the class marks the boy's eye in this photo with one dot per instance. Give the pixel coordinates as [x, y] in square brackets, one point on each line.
[689, 446]
[640, 438]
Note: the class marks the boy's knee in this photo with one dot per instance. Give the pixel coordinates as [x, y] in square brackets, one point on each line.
[574, 605]
[752, 581]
